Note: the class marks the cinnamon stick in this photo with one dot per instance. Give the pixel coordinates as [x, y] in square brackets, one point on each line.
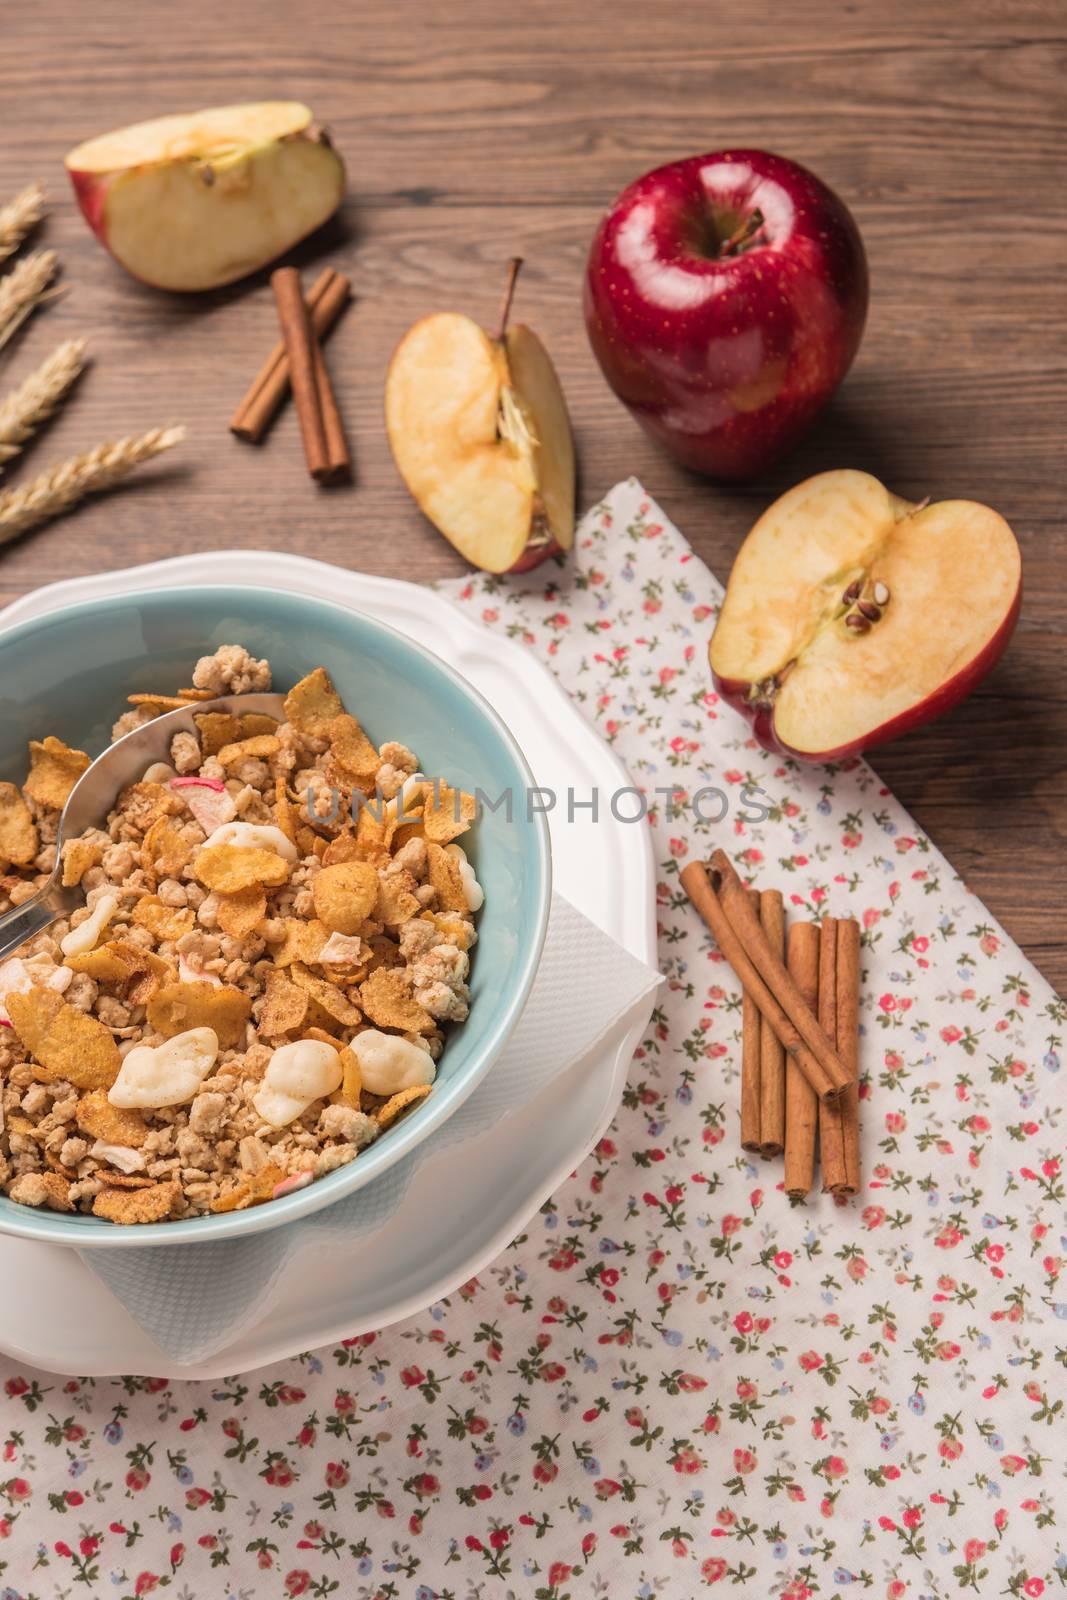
[772, 1056]
[296, 331]
[802, 1109]
[839, 1126]
[831, 1140]
[833, 1073]
[697, 885]
[750, 1069]
[266, 393]
[338, 460]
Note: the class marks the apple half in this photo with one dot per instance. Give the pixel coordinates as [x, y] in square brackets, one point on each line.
[852, 616]
[193, 201]
[479, 430]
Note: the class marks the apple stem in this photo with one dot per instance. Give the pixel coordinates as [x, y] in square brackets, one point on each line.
[743, 234]
[514, 268]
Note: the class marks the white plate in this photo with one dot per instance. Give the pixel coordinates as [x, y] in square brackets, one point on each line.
[465, 1205]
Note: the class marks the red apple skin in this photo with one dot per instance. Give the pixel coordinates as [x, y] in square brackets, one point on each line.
[533, 556]
[90, 191]
[726, 360]
[945, 698]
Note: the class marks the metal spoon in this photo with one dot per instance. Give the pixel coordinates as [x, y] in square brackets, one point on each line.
[95, 792]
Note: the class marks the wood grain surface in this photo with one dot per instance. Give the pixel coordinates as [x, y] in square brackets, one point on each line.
[475, 131]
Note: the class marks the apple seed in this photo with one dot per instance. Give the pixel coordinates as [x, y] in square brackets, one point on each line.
[857, 623]
[853, 592]
[868, 609]
[881, 594]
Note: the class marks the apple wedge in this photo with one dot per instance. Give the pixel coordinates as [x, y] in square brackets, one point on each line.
[479, 431]
[193, 201]
[852, 616]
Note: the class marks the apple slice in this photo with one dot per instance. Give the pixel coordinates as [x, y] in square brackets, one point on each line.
[852, 616]
[480, 433]
[194, 201]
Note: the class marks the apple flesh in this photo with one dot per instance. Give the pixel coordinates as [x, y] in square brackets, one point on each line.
[479, 430]
[194, 201]
[725, 299]
[852, 616]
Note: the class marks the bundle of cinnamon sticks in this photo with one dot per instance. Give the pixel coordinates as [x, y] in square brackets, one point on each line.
[296, 362]
[800, 1026]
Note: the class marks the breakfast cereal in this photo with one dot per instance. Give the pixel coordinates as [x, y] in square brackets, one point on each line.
[274, 939]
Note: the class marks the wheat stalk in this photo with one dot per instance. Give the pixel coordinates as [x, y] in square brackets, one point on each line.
[35, 399]
[23, 288]
[17, 218]
[64, 485]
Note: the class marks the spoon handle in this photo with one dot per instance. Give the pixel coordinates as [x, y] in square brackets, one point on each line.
[23, 922]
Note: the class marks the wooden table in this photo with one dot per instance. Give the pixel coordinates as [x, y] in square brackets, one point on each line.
[475, 131]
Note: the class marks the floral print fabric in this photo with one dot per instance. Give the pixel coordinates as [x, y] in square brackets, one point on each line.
[675, 1380]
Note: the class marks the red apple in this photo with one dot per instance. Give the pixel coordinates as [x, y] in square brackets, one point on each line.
[725, 298]
[853, 616]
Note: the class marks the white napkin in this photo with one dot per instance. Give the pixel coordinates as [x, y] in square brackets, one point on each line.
[194, 1299]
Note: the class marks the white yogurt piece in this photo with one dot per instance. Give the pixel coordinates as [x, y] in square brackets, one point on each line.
[297, 1075]
[388, 1063]
[86, 935]
[168, 1074]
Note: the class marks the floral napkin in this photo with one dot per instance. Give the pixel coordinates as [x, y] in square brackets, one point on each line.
[675, 1381]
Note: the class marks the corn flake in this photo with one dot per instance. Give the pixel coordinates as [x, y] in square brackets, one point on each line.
[54, 770]
[229, 868]
[446, 878]
[78, 856]
[64, 1043]
[352, 1082]
[344, 848]
[179, 1006]
[303, 941]
[165, 923]
[313, 703]
[240, 914]
[164, 850]
[387, 1114]
[345, 895]
[395, 903]
[251, 1191]
[351, 749]
[252, 724]
[260, 748]
[217, 729]
[96, 1116]
[329, 1000]
[283, 809]
[156, 1204]
[165, 702]
[448, 813]
[387, 999]
[18, 835]
[285, 1005]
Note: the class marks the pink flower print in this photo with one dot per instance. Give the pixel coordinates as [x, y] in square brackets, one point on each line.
[887, 1003]
[951, 1034]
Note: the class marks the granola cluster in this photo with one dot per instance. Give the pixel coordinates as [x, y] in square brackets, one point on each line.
[276, 933]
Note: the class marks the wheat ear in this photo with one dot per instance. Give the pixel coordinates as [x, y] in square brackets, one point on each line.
[23, 288]
[35, 399]
[19, 217]
[64, 485]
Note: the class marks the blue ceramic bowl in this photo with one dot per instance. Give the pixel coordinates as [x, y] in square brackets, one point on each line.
[69, 673]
